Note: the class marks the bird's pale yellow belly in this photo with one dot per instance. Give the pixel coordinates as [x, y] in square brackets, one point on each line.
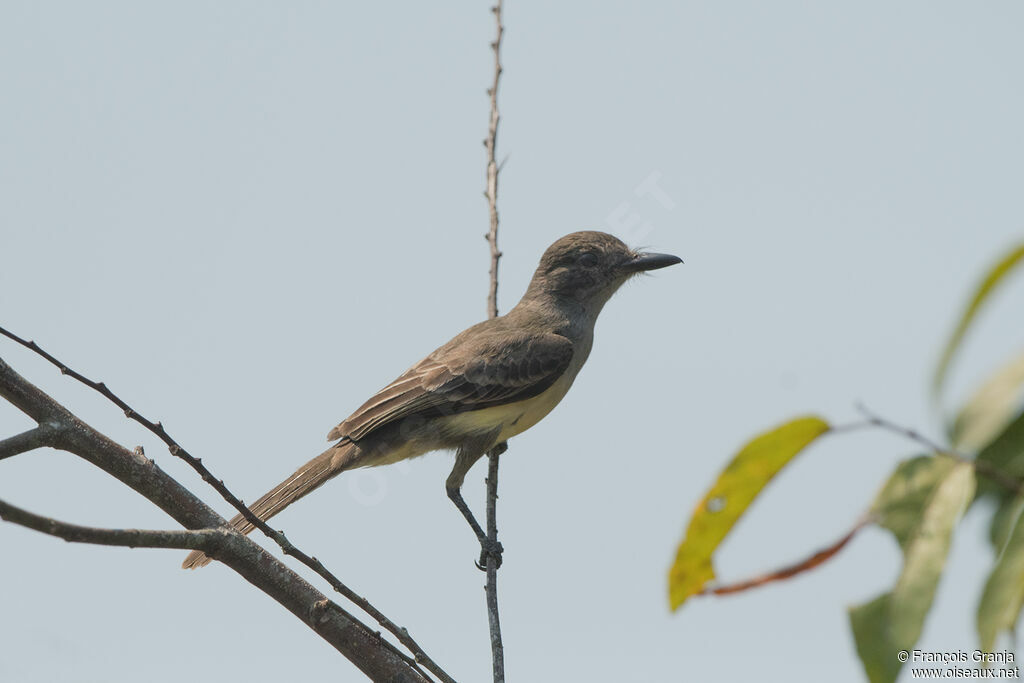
[513, 418]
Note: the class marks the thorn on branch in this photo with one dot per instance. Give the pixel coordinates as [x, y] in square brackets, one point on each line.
[318, 613]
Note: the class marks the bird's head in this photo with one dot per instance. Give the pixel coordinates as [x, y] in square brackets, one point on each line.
[588, 266]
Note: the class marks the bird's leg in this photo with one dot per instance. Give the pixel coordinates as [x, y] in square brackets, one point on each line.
[456, 497]
[486, 546]
[453, 486]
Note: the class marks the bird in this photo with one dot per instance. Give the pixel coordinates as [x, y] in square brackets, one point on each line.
[488, 384]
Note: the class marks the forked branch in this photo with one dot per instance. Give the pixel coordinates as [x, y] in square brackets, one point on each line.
[377, 658]
[47, 429]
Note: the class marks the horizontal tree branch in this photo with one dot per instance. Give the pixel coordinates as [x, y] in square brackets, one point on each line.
[179, 539]
[376, 658]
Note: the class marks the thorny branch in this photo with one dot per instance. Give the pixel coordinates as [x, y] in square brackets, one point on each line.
[494, 557]
[400, 633]
[491, 143]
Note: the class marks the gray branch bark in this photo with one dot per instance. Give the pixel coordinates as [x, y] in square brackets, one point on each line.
[180, 539]
[375, 657]
[401, 634]
[26, 441]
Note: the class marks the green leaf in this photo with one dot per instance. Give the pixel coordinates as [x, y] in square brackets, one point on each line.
[992, 407]
[920, 504]
[1003, 596]
[1006, 454]
[870, 625]
[1003, 520]
[736, 488]
[924, 555]
[992, 279]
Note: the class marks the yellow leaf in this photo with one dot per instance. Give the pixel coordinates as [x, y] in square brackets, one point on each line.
[987, 413]
[994, 276]
[737, 487]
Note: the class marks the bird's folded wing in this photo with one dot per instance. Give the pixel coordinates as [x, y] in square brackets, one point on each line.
[482, 371]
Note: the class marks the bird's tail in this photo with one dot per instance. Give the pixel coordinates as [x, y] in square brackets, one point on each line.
[306, 479]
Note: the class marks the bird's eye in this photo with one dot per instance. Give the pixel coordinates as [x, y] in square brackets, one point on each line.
[588, 259]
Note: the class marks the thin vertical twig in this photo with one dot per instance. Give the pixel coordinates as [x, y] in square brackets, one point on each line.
[493, 559]
[493, 622]
[491, 142]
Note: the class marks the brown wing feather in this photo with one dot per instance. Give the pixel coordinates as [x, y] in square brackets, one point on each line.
[469, 373]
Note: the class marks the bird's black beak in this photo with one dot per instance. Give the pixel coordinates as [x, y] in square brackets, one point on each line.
[647, 261]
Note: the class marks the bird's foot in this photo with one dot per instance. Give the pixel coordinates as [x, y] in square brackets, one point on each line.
[489, 548]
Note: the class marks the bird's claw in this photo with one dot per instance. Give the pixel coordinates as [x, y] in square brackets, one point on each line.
[489, 548]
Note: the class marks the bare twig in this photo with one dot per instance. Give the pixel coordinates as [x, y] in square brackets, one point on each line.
[278, 537]
[37, 437]
[494, 558]
[377, 658]
[180, 539]
[996, 475]
[815, 560]
[491, 143]
[493, 622]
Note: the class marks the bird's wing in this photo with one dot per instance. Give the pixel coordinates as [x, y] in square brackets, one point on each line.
[469, 373]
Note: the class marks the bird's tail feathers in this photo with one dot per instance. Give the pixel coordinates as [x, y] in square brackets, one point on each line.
[306, 479]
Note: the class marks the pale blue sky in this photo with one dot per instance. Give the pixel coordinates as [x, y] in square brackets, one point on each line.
[248, 216]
